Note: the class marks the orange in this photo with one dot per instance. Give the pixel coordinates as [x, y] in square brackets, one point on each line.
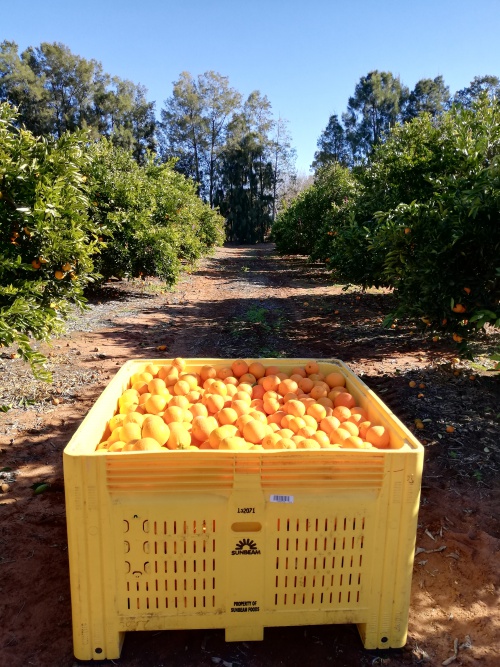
[242, 420]
[239, 368]
[144, 397]
[227, 416]
[296, 423]
[258, 391]
[355, 418]
[325, 402]
[270, 440]
[193, 396]
[271, 382]
[256, 404]
[116, 446]
[179, 437]
[286, 443]
[311, 422]
[352, 428]
[140, 387]
[309, 443]
[191, 379]
[128, 432]
[208, 371]
[181, 388]
[353, 442]
[271, 406]
[306, 385]
[329, 424]
[179, 363]
[345, 399]
[273, 426]
[272, 370]
[240, 407]
[306, 431]
[234, 443]
[203, 426]
[231, 390]
[230, 380]
[145, 377]
[359, 411]
[318, 391]
[287, 386]
[311, 367]
[179, 401]
[338, 435]
[156, 429]
[335, 380]
[285, 433]
[133, 418]
[218, 387]
[156, 403]
[290, 397]
[146, 445]
[115, 421]
[298, 370]
[214, 402]
[341, 412]
[221, 432]
[378, 436]
[247, 388]
[171, 377]
[248, 378]
[294, 408]
[257, 369]
[224, 373]
[255, 431]
[153, 369]
[363, 428]
[259, 416]
[165, 370]
[157, 386]
[322, 438]
[173, 413]
[276, 417]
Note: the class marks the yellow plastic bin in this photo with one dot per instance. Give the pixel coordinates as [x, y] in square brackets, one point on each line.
[239, 540]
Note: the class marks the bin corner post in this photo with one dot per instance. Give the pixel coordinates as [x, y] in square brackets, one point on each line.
[387, 626]
[96, 635]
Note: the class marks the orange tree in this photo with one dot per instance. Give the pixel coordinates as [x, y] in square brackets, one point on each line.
[442, 243]
[150, 218]
[47, 239]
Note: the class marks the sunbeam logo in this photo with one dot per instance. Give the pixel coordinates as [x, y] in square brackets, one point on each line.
[246, 547]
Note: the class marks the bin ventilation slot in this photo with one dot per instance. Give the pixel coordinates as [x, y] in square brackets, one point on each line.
[181, 570]
[319, 562]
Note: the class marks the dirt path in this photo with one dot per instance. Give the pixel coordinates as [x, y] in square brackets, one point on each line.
[246, 302]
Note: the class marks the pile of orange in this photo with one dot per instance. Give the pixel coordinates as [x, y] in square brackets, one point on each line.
[242, 407]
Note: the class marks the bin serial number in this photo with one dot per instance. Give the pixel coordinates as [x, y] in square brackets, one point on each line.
[246, 510]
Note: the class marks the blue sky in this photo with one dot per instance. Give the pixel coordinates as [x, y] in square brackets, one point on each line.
[305, 56]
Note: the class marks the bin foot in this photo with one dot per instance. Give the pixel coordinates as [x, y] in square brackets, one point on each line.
[245, 634]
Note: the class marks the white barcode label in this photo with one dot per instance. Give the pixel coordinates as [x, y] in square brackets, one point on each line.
[281, 499]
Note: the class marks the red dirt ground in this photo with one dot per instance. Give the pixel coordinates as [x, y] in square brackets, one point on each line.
[247, 302]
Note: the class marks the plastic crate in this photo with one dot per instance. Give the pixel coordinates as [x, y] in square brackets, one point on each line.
[239, 540]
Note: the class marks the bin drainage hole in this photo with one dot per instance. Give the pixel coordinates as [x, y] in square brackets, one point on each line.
[384, 640]
[98, 650]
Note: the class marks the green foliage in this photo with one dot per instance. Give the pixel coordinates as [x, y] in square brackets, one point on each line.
[442, 249]
[310, 224]
[44, 229]
[421, 217]
[150, 217]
